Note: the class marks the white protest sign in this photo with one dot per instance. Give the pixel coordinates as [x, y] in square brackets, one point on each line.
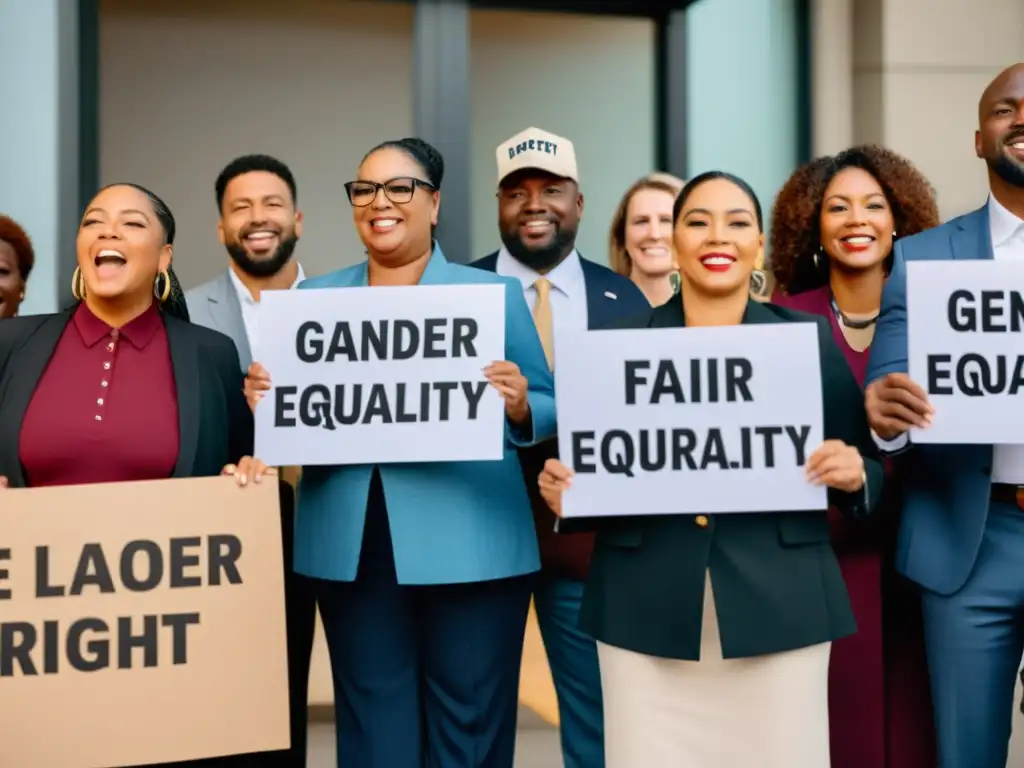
[965, 348]
[689, 420]
[381, 375]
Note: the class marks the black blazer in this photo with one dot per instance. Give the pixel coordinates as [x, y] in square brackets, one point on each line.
[776, 580]
[216, 426]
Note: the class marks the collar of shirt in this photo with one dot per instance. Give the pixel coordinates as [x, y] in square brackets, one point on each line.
[139, 331]
[566, 278]
[245, 297]
[1003, 225]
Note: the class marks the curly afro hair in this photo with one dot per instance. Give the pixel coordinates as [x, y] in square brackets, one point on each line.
[795, 235]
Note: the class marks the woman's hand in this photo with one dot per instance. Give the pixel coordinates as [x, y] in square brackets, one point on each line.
[257, 383]
[510, 382]
[553, 481]
[836, 465]
[3, 482]
[247, 470]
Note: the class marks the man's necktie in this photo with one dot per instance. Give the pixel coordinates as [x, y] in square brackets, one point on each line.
[542, 318]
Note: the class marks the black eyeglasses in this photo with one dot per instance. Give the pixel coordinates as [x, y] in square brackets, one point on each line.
[399, 191]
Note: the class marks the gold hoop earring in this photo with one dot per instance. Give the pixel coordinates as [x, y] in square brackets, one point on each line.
[164, 294]
[758, 282]
[77, 284]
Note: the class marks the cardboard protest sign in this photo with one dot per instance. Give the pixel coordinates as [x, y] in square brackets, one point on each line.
[141, 623]
[381, 375]
[965, 328]
[689, 420]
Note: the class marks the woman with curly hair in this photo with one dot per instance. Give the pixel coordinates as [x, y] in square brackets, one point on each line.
[832, 236]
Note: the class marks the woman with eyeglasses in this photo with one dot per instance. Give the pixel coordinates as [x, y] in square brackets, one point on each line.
[424, 571]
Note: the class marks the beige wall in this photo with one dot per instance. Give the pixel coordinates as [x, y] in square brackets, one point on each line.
[187, 85]
[908, 74]
[588, 78]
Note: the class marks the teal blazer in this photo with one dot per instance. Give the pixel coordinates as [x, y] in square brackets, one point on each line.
[451, 522]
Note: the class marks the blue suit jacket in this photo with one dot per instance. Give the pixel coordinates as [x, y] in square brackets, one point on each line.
[947, 486]
[451, 522]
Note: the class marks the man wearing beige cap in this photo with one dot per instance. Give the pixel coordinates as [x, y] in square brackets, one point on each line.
[539, 210]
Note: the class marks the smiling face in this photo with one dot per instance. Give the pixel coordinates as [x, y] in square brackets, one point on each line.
[121, 245]
[717, 238]
[259, 225]
[538, 217]
[395, 233]
[648, 234]
[856, 221]
[1000, 137]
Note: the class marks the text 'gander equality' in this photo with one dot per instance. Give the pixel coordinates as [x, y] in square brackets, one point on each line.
[90, 643]
[974, 374]
[400, 402]
[710, 380]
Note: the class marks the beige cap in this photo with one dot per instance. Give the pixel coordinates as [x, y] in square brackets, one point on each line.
[534, 148]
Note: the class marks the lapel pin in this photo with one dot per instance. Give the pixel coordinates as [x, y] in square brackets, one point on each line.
[610, 295]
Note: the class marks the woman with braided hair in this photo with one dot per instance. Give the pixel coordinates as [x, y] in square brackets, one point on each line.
[423, 570]
[120, 386]
[832, 236]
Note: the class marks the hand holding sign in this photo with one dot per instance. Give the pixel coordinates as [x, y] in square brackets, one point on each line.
[248, 470]
[895, 404]
[506, 377]
[257, 381]
[554, 480]
[837, 465]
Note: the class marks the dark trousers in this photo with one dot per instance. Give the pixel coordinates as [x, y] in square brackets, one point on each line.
[572, 657]
[300, 612]
[974, 640]
[424, 676]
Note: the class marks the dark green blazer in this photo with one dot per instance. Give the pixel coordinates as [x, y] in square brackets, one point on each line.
[776, 580]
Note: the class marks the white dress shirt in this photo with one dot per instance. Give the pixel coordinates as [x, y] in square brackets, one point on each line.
[1007, 232]
[568, 289]
[251, 307]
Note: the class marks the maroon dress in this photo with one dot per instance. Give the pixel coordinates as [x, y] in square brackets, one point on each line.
[880, 712]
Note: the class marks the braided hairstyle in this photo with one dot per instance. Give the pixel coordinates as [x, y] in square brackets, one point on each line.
[426, 155]
[175, 304]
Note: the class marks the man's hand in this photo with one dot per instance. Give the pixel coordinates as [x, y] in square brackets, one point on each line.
[257, 384]
[894, 404]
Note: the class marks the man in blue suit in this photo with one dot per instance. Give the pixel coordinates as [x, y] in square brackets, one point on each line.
[539, 210]
[962, 529]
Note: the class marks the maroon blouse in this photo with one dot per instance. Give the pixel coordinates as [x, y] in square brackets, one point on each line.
[106, 408]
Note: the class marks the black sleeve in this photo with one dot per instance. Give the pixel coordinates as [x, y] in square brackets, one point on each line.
[14, 332]
[240, 421]
[846, 420]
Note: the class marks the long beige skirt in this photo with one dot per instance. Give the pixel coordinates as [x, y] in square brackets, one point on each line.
[763, 712]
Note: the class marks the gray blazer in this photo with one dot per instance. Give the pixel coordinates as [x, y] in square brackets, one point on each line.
[214, 304]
